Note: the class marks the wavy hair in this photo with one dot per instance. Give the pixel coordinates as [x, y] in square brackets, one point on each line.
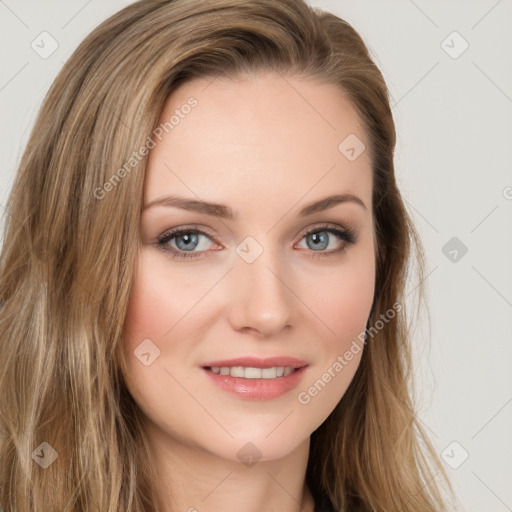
[68, 259]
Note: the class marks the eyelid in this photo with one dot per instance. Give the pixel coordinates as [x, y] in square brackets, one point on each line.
[322, 226]
[190, 228]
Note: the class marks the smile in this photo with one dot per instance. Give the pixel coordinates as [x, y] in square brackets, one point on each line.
[252, 373]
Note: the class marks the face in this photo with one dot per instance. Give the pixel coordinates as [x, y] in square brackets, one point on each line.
[261, 276]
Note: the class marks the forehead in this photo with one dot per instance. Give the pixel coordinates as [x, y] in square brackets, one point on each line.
[264, 135]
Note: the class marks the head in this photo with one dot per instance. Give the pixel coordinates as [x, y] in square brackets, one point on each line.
[248, 105]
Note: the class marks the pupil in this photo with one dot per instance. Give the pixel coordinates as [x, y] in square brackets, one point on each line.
[187, 240]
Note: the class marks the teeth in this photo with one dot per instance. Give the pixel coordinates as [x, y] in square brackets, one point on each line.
[253, 373]
[236, 371]
[268, 373]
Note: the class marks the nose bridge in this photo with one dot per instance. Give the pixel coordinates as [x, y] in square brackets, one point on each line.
[262, 299]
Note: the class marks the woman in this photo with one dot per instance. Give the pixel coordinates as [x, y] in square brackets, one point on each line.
[203, 272]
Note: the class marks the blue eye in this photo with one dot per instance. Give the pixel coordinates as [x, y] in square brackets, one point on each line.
[319, 238]
[182, 242]
[185, 239]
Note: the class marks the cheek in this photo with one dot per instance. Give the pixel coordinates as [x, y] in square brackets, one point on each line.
[162, 307]
[144, 317]
[157, 300]
[343, 303]
[149, 315]
[343, 298]
[152, 310]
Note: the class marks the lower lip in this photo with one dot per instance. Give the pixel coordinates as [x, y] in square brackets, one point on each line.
[257, 389]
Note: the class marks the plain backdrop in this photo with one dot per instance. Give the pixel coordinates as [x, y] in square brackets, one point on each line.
[448, 68]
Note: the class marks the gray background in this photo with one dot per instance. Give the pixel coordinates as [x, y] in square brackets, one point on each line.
[453, 158]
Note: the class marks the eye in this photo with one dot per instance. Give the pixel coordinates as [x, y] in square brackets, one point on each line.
[183, 242]
[321, 238]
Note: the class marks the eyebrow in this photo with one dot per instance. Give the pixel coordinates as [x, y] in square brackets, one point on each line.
[225, 212]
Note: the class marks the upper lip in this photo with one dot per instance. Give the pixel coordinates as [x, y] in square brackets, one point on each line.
[256, 362]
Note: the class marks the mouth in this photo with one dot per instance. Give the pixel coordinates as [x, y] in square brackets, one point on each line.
[256, 379]
[256, 368]
[249, 372]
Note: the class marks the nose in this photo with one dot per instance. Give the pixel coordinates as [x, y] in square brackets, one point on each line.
[262, 298]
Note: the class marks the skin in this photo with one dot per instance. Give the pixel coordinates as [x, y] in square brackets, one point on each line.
[266, 163]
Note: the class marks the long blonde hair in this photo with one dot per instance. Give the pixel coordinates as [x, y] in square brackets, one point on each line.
[68, 259]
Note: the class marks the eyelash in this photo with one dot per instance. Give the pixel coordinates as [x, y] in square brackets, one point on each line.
[347, 235]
